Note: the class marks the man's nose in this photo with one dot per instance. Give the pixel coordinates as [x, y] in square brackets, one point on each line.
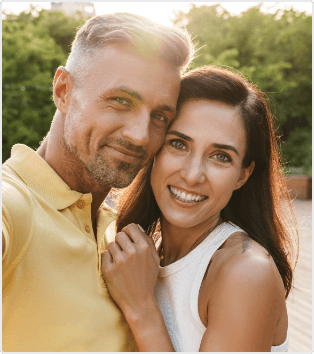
[136, 129]
[193, 171]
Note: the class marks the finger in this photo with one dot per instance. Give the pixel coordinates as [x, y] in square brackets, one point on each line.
[140, 227]
[127, 245]
[115, 251]
[140, 238]
[147, 238]
[106, 260]
[135, 233]
[123, 240]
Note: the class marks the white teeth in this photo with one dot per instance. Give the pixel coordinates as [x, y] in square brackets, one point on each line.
[187, 198]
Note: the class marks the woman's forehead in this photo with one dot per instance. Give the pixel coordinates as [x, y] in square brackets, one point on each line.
[211, 122]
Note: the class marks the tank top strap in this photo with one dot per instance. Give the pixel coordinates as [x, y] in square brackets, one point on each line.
[213, 241]
[282, 347]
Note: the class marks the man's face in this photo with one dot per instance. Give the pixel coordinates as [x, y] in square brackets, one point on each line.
[117, 119]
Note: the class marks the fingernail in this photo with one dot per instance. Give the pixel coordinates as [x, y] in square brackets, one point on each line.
[140, 227]
[102, 250]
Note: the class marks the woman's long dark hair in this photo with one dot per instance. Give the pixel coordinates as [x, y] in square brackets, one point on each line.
[261, 206]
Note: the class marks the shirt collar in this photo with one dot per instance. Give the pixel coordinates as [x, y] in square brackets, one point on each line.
[38, 175]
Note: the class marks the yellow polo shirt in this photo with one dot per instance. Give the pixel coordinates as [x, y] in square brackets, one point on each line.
[54, 298]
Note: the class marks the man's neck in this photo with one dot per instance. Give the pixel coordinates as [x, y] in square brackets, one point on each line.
[72, 171]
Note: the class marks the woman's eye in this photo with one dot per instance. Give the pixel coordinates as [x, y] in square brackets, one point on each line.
[222, 157]
[177, 144]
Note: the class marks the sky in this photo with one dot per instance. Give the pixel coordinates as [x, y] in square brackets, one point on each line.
[162, 12]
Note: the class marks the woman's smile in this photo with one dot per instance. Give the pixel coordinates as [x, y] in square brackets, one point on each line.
[185, 196]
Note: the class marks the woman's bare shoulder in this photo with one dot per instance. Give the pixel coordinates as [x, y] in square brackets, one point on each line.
[241, 270]
[242, 259]
[242, 298]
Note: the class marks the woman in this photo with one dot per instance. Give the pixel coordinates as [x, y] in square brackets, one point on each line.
[215, 195]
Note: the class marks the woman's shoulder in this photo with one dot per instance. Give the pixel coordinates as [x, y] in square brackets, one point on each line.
[242, 259]
[243, 286]
[240, 271]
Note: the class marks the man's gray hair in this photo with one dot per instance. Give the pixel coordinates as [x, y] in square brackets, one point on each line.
[171, 44]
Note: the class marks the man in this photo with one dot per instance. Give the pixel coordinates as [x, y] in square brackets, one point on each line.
[115, 99]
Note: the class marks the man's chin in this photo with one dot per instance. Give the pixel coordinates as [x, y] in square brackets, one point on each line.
[124, 175]
[114, 180]
[112, 174]
[116, 184]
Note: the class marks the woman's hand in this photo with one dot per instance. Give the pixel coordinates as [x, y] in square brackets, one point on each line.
[130, 267]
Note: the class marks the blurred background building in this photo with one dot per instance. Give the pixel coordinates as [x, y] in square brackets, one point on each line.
[71, 8]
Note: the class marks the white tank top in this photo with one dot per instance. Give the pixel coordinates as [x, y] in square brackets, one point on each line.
[177, 291]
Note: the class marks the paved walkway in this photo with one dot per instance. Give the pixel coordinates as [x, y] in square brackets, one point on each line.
[299, 302]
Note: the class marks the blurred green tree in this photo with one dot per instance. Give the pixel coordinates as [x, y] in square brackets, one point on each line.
[34, 44]
[274, 51]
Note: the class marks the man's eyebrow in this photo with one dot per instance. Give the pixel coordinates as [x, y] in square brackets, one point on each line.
[167, 108]
[130, 92]
[226, 147]
[180, 135]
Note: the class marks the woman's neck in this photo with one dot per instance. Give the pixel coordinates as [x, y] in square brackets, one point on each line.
[177, 242]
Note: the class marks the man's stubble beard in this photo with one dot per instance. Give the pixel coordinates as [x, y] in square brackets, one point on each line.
[98, 166]
[119, 177]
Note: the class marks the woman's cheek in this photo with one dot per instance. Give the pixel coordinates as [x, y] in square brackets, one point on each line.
[224, 177]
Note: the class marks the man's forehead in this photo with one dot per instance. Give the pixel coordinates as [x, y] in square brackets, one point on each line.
[114, 68]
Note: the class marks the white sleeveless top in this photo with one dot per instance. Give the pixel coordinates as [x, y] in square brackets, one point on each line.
[177, 291]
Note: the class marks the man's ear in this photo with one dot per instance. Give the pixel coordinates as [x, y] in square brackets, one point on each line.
[244, 176]
[62, 89]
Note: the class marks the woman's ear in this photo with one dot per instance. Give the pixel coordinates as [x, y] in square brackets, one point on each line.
[62, 89]
[244, 176]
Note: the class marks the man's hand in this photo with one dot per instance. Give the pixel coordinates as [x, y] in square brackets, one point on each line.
[130, 267]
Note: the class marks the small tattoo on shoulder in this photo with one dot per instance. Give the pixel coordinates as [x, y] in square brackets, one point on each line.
[245, 242]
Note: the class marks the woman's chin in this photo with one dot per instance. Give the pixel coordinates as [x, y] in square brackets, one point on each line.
[180, 221]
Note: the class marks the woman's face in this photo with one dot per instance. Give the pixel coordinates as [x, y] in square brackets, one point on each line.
[200, 164]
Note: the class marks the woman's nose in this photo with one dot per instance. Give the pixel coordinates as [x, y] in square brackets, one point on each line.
[193, 171]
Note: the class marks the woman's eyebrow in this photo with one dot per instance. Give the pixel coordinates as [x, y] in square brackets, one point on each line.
[226, 147]
[180, 135]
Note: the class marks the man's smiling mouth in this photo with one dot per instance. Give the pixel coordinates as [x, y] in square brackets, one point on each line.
[186, 197]
[125, 151]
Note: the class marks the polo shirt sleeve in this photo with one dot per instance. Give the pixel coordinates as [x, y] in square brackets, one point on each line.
[17, 220]
[6, 230]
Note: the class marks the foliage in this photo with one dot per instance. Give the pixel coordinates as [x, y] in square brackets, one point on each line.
[34, 44]
[274, 51]
[301, 157]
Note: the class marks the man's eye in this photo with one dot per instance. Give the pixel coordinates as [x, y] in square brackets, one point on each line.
[122, 101]
[178, 144]
[222, 158]
[160, 117]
